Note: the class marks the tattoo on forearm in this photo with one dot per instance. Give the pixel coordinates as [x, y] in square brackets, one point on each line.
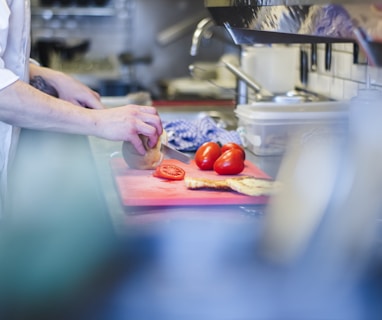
[39, 83]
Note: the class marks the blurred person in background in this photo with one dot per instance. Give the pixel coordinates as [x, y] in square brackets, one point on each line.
[59, 247]
[69, 106]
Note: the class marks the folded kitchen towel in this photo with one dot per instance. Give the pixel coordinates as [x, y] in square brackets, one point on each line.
[186, 135]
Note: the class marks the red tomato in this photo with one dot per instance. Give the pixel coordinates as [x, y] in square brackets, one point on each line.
[230, 162]
[169, 171]
[206, 155]
[233, 145]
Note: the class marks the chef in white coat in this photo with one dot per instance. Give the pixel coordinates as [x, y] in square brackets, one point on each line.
[22, 105]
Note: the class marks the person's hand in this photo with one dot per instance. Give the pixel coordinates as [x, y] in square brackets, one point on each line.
[123, 123]
[127, 122]
[68, 88]
[74, 91]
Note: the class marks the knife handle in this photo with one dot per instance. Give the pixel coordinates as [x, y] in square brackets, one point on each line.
[313, 57]
[304, 67]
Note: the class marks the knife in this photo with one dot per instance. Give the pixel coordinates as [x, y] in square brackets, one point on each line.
[172, 153]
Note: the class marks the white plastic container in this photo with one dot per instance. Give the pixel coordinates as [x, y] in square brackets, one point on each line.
[266, 128]
[274, 67]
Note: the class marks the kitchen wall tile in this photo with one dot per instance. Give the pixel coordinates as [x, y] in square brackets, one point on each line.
[341, 63]
[337, 88]
[358, 72]
[313, 81]
[321, 46]
[319, 84]
[379, 77]
[350, 89]
[297, 75]
[338, 47]
[349, 47]
[343, 47]
[324, 83]
[375, 75]
[321, 63]
[372, 75]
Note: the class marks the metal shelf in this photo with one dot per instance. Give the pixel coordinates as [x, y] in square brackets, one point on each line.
[74, 11]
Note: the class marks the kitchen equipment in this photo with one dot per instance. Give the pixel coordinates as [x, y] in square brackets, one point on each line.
[262, 94]
[117, 87]
[313, 57]
[328, 56]
[267, 127]
[203, 70]
[304, 68]
[359, 56]
[142, 98]
[179, 29]
[248, 80]
[141, 188]
[252, 83]
[202, 31]
[100, 3]
[67, 49]
[192, 89]
[301, 21]
[127, 58]
[172, 153]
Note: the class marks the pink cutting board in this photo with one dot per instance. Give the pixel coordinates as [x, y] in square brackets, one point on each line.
[141, 188]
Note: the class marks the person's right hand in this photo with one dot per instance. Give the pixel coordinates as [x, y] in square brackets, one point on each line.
[127, 122]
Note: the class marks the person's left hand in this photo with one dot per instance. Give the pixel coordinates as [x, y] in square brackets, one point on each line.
[68, 88]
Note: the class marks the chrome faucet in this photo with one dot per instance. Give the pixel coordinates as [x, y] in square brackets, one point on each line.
[202, 31]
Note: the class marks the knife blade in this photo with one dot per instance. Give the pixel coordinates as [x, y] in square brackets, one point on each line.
[172, 153]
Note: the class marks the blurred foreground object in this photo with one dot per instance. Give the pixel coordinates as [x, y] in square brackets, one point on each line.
[322, 228]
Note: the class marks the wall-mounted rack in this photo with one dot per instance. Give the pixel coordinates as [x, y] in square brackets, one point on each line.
[302, 21]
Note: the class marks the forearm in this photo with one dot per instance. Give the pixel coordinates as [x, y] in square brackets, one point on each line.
[47, 74]
[43, 79]
[24, 106]
[66, 87]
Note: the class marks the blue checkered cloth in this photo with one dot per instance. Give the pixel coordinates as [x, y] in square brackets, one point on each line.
[186, 135]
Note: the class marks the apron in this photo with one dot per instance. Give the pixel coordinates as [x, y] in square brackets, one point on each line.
[14, 64]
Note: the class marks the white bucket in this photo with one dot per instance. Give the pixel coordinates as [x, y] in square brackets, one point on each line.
[274, 67]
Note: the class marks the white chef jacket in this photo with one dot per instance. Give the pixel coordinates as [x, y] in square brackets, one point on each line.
[14, 65]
